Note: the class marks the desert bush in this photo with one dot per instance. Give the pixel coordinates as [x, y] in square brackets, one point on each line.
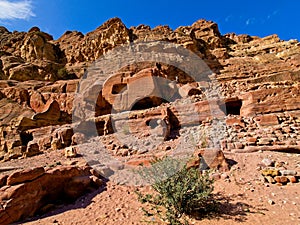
[185, 193]
[63, 74]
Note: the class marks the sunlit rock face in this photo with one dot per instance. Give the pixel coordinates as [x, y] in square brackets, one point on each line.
[258, 79]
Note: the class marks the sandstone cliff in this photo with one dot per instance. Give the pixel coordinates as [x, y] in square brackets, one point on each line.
[259, 79]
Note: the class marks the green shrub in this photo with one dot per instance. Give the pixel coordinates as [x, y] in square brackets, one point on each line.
[62, 73]
[187, 192]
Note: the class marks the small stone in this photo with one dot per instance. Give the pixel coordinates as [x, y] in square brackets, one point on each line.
[279, 164]
[117, 209]
[258, 168]
[224, 176]
[246, 210]
[270, 172]
[281, 179]
[288, 172]
[292, 179]
[215, 176]
[292, 214]
[267, 162]
[271, 202]
[124, 152]
[70, 152]
[269, 179]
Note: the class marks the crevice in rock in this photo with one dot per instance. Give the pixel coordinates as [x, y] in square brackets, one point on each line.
[175, 125]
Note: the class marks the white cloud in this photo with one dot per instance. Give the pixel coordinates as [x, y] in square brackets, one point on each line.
[228, 18]
[15, 10]
[274, 13]
[250, 21]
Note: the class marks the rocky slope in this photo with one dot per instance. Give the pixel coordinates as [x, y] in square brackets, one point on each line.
[258, 78]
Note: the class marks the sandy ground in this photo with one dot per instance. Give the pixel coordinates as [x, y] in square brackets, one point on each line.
[243, 198]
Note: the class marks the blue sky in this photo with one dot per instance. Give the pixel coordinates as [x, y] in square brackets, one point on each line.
[259, 18]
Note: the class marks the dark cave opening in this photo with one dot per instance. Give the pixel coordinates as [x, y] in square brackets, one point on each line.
[26, 138]
[234, 107]
[148, 102]
[118, 88]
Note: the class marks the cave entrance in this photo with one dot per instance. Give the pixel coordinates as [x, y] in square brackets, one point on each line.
[148, 102]
[26, 138]
[233, 107]
[194, 91]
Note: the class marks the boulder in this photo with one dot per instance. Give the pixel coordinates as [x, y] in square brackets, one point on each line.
[27, 192]
[50, 112]
[209, 159]
[70, 152]
[24, 72]
[25, 176]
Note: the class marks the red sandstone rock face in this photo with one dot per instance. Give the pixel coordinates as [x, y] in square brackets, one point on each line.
[271, 100]
[26, 192]
[33, 105]
[261, 73]
[29, 56]
[81, 49]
